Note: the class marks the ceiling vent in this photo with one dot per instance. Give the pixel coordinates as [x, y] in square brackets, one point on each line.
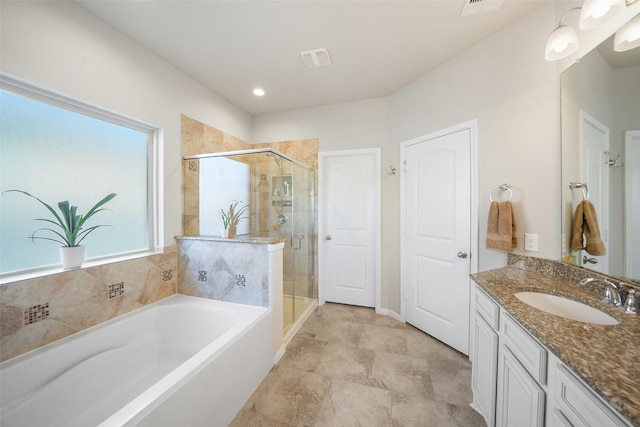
[474, 7]
[315, 58]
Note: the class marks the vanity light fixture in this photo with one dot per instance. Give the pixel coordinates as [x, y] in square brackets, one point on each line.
[628, 36]
[562, 42]
[597, 12]
[258, 92]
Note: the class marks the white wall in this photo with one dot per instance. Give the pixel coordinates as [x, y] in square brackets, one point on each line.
[60, 46]
[507, 85]
[361, 124]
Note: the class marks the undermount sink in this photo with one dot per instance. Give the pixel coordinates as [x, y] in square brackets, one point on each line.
[566, 308]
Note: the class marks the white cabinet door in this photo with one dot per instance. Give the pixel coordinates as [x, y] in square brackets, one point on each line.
[520, 399]
[484, 369]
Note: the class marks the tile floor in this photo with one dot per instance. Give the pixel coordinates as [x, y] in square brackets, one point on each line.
[348, 366]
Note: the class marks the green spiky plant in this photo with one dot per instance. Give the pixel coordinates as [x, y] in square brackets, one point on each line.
[69, 222]
[232, 216]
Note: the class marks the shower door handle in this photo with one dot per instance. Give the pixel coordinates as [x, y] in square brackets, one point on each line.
[299, 237]
[327, 237]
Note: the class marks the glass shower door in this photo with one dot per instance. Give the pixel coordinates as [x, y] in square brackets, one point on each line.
[302, 238]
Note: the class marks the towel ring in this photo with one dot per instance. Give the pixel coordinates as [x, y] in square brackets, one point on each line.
[503, 187]
[585, 189]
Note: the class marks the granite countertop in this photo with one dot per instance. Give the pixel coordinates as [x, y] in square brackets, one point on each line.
[238, 239]
[605, 357]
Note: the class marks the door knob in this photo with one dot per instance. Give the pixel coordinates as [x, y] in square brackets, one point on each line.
[462, 254]
[327, 237]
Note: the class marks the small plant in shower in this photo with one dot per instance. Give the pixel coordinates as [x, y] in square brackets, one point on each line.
[69, 231]
[231, 218]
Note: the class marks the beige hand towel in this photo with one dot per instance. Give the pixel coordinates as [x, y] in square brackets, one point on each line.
[585, 223]
[502, 234]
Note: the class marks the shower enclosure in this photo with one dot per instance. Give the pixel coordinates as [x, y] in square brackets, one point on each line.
[280, 194]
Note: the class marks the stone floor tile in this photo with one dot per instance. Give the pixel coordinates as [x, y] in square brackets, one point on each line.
[352, 405]
[403, 374]
[348, 366]
[294, 396]
[332, 330]
[347, 362]
[303, 353]
[413, 411]
[384, 339]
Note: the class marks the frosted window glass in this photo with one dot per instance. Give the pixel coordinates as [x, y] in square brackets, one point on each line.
[57, 154]
[218, 191]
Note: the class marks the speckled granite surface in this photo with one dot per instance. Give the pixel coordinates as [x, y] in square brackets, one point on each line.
[606, 357]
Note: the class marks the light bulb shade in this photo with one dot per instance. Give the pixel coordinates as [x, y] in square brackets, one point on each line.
[561, 43]
[597, 12]
[628, 36]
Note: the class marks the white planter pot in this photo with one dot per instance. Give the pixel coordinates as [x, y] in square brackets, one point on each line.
[72, 257]
[225, 232]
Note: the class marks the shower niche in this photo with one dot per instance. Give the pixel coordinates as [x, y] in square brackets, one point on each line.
[279, 192]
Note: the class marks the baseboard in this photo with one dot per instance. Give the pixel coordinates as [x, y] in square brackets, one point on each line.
[390, 313]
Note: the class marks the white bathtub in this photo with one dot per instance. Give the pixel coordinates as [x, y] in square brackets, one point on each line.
[183, 361]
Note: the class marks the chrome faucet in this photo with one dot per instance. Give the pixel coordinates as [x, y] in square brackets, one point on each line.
[611, 294]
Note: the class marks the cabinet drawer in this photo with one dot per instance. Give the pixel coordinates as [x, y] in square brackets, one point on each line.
[488, 309]
[580, 406]
[528, 351]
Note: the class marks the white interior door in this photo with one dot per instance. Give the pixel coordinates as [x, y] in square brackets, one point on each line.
[437, 180]
[595, 173]
[632, 203]
[350, 227]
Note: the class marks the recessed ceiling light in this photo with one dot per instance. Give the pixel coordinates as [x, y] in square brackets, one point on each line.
[258, 92]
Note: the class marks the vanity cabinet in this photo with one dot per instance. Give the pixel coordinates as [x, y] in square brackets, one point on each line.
[575, 405]
[516, 381]
[485, 356]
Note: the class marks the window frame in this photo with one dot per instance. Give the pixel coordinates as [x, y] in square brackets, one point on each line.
[154, 172]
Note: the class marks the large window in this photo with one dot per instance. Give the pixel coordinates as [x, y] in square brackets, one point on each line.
[60, 149]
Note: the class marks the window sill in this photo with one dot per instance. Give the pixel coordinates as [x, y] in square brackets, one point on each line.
[51, 270]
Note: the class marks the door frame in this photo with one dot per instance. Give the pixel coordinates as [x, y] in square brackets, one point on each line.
[472, 126]
[322, 157]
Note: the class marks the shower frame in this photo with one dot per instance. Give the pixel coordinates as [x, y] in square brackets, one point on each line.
[294, 241]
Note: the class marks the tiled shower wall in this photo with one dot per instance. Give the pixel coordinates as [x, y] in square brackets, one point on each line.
[199, 138]
[39, 311]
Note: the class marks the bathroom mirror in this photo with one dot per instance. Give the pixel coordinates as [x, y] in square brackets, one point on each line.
[600, 107]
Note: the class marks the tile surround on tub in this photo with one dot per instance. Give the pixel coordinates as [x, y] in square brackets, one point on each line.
[224, 270]
[79, 299]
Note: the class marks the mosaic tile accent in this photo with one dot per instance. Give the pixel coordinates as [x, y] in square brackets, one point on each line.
[241, 280]
[116, 290]
[202, 276]
[193, 166]
[36, 313]
[167, 275]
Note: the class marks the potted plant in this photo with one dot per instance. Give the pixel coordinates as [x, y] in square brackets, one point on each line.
[231, 217]
[69, 232]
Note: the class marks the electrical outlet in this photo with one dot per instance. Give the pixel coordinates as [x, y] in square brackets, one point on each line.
[530, 242]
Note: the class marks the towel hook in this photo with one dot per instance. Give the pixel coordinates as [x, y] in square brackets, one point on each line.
[503, 187]
[585, 189]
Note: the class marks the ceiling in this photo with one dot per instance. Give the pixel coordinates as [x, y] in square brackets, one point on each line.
[376, 46]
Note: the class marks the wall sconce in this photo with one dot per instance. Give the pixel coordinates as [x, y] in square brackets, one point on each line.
[628, 36]
[563, 41]
[596, 12]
